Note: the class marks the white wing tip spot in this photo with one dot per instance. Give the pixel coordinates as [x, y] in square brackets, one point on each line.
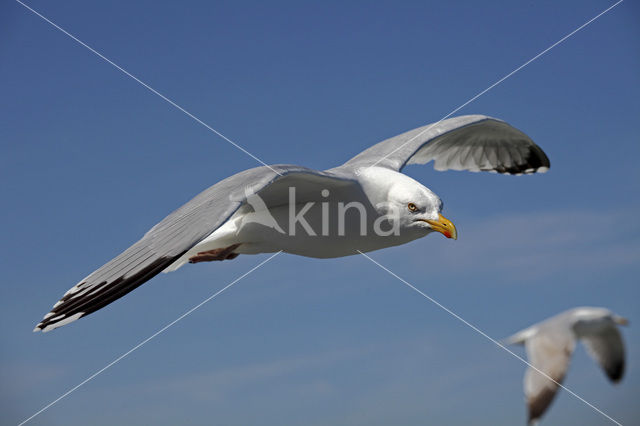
[61, 323]
[73, 289]
[56, 318]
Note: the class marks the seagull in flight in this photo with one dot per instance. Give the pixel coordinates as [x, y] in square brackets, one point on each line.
[550, 344]
[363, 205]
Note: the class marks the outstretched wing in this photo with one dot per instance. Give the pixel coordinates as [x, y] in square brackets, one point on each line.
[607, 349]
[550, 353]
[171, 238]
[469, 142]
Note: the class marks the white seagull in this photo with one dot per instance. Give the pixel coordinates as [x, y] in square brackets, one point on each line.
[363, 205]
[550, 344]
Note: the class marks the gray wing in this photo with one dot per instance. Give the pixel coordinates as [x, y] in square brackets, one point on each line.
[550, 352]
[171, 238]
[469, 142]
[607, 349]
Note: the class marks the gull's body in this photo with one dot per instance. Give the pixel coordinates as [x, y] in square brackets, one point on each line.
[250, 212]
[257, 237]
[550, 344]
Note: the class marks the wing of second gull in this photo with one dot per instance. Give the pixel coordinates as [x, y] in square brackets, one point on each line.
[550, 352]
[176, 234]
[607, 349]
[470, 142]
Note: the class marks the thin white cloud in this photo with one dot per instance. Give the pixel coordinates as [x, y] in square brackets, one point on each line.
[21, 377]
[217, 383]
[535, 245]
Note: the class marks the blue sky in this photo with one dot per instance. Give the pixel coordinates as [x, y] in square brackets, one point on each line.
[91, 160]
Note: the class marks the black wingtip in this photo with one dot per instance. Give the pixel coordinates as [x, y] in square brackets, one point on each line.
[71, 308]
[616, 372]
[536, 162]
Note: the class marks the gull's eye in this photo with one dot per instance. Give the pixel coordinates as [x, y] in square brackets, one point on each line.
[412, 207]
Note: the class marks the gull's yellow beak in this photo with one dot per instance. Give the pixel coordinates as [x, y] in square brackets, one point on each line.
[621, 320]
[444, 226]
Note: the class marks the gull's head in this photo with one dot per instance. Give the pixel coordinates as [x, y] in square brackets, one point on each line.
[414, 205]
[590, 319]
